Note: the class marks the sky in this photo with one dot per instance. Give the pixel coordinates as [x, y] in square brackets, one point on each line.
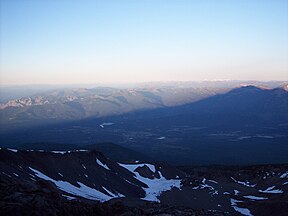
[73, 41]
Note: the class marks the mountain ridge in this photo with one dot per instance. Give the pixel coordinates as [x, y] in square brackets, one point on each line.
[71, 105]
[87, 178]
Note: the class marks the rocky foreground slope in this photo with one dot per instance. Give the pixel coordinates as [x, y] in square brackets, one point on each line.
[85, 182]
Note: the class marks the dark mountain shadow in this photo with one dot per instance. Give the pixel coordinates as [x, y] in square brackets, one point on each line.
[245, 105]
[239, 106]
[223, 129]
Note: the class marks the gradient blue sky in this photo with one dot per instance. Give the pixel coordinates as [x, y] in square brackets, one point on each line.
[66, 41]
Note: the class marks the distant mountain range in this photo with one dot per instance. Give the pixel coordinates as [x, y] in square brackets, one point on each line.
[181, 125]
[75, 104]
[261, 104]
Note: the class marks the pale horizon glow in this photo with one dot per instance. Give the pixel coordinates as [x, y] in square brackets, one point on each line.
[69, 42]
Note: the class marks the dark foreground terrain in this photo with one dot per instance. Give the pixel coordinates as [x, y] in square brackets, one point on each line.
[41, 198]
[85, 182]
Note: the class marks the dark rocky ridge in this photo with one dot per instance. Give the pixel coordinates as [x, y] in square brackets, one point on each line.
[40, 199]
[81, 166]
[260, 190]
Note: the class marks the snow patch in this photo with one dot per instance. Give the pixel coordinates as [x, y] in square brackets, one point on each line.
[13, 150]
[213, 181]
[264, 136]
[155, 186]
[109, 192]
[113, 194]
[255, 197]
[82, 191]
[101, 164]
[133, 167]
[256, 136]
[58, 152]
[81, 150]
[236, 192]
[271, 190]
[284, 175]
[244, 137]
[243, 211]
[106, 124]
[7, 174]
[64, 152]
[246, 183]
[204, 185]
[68, 197]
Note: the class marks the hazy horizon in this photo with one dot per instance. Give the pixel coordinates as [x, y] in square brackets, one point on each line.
[108, 84]
[100, 42]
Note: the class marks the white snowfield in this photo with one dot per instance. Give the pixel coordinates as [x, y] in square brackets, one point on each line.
[82, 191]
[155, 186]
[101, 164]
